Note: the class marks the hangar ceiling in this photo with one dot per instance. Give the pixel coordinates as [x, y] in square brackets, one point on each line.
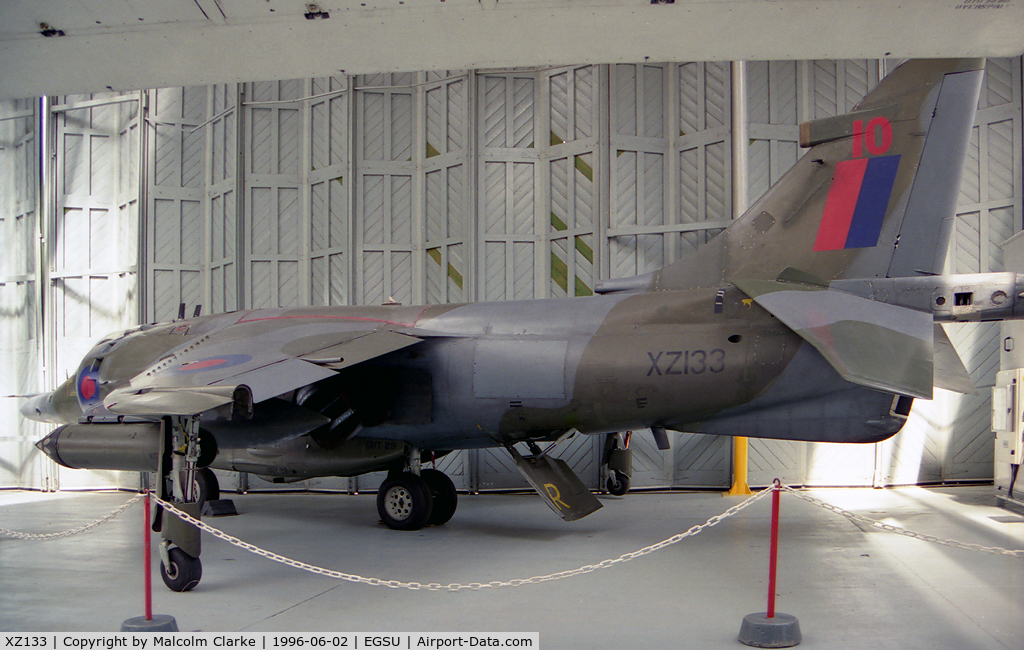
[61, 46]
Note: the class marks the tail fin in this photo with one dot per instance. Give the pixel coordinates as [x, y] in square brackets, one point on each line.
[874, 197]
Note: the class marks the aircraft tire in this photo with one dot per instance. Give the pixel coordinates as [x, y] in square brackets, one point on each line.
[618, 483]
[404, 502]
[184, 573]
[206, 486]
[445, 497]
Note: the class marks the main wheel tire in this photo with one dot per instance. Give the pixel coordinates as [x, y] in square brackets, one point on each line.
[404, 502]
[618, 483]
[445, 497]
[184, 573]
[206, 487]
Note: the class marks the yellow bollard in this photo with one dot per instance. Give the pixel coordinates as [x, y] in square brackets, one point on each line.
[739, 468]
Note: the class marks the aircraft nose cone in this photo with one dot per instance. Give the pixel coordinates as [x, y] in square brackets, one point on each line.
[38, 408]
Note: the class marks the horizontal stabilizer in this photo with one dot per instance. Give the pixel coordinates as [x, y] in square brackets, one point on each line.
[950, 373]
[868, 343]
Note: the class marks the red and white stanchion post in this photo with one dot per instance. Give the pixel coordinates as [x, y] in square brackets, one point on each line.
[769, 629]
[148, 623]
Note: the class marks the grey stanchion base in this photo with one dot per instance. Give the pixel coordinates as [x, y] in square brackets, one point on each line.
[159, 623]
[781, 631]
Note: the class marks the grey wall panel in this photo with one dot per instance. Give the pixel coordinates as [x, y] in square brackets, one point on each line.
[447, 193]
[774, 100]
[768, 460]
[652, 467]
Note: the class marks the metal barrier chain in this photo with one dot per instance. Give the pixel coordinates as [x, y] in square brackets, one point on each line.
[68, 533]
[902, 531]
[434, 586]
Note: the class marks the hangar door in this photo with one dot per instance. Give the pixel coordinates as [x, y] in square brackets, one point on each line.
[452, 186]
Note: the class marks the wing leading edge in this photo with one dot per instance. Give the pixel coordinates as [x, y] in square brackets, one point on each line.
[206, 374]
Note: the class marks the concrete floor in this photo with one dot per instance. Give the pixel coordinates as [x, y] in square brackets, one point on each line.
[849, 587]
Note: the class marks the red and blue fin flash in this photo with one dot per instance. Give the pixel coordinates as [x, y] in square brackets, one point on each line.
[856, 203]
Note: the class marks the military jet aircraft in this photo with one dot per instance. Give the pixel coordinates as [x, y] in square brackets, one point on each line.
[812, 317]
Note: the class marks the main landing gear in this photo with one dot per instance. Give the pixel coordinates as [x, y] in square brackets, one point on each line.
[416, 498]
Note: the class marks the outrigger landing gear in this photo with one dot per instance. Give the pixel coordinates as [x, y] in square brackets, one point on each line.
[414, 498]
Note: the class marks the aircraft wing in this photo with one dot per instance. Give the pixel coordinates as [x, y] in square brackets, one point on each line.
[267, 359]
[868, 343]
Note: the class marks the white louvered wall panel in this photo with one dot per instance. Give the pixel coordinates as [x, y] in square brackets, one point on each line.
[385, 172]
[222, 195]
[572, 159]
[329, 180]
[704, 153]
[176, 237]
[511, 264]
[639, 170]
[21, 465]
[95, 263]
[447, 202]
[274, 226]
[774, 100]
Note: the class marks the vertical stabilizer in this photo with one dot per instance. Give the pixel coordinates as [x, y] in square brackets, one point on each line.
[874, 196]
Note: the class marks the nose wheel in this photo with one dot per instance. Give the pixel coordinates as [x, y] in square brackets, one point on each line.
[180, 571]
